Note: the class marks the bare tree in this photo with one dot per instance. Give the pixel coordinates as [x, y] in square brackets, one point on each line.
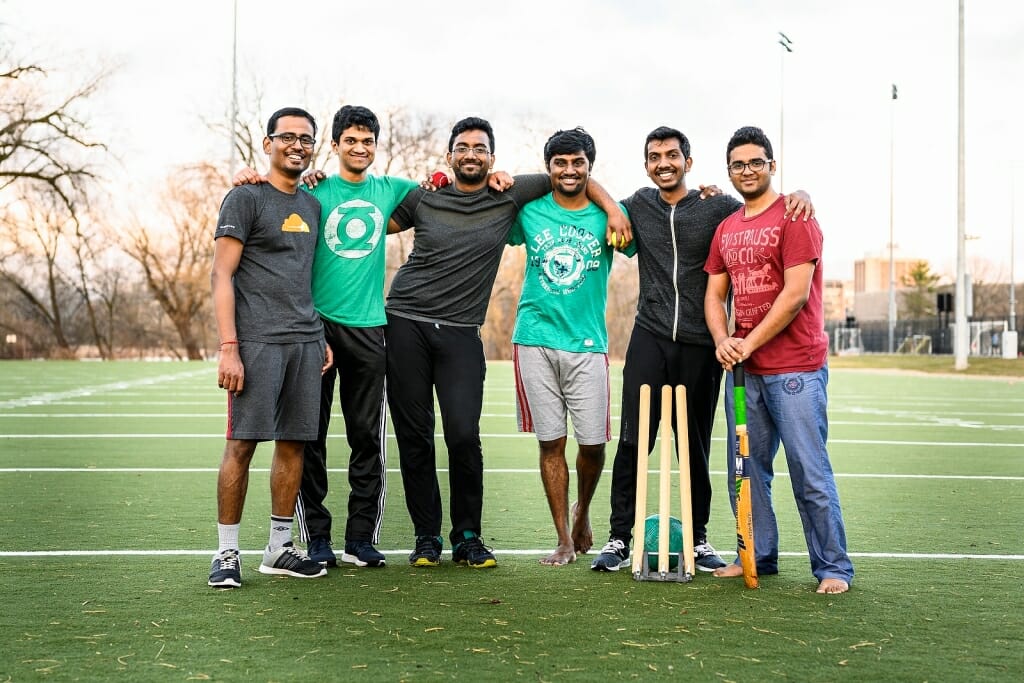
[36, 260]
[175, 258]
[411, 146]
[43, 136]
[623, 291]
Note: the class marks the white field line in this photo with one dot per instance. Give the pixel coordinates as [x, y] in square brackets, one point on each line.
[487, 470]
[518, 552]
[925, 422]
[56, 396]
[872, 442]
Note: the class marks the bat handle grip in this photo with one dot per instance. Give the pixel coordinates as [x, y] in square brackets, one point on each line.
[737, 375]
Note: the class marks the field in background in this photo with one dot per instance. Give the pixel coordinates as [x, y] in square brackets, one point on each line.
[107, 476]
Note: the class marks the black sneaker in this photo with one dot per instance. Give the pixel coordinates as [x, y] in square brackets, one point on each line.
[614, 555]
[474, 553]
[226, 570]
[705, 557]
[362, 554]
[427, 552]
[290, 561]
[321, 552]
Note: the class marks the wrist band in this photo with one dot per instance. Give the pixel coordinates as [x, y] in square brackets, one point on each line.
[225, 343]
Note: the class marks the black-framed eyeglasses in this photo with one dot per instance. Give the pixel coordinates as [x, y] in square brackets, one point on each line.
[306, 141]
[464, 150]
[756, 165]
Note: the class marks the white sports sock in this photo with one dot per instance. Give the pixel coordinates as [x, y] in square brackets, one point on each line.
[227, 537]
[280, 531]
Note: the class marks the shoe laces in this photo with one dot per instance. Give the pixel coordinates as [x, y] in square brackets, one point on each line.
[229, 560]
[425, 544]
[614, 546]
[473, 544]
[292, 550]
[703, 548]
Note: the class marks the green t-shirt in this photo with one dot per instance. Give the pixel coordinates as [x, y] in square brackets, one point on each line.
[565, 286]
[348, 267]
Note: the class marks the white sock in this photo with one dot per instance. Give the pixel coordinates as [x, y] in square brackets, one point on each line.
[227, 537]
[280, 531]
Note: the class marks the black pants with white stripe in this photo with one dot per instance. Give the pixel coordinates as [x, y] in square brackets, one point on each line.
[424, 358]
[657, 361]
[359, 367]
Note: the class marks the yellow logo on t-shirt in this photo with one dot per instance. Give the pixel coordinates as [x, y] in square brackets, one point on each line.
[294, 224]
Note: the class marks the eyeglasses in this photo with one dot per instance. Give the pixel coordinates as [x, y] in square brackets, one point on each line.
[306, 141]
[464, 150]
[756, 165]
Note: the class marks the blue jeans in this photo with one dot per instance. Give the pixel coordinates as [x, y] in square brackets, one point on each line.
[791, 408]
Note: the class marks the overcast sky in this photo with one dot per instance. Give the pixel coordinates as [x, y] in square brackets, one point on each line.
[618, 68]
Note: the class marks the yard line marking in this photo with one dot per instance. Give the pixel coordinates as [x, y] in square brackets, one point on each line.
[51, 397]
[497, 470]
[520, 552]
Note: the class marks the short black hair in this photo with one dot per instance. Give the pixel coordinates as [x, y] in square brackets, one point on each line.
[569, 141]
[471, 123]
[662, 133]
[288, 111]
[749, 135]
[353, 115]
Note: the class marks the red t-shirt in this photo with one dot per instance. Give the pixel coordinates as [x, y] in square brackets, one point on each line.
[755, 251]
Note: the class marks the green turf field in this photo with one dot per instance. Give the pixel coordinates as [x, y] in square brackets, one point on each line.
[107, 474]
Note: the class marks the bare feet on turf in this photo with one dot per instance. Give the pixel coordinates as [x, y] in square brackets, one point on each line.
[833, 586]
[563, 555]
[729, 571]
[582, 534]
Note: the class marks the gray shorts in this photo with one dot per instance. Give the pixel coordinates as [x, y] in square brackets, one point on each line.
[280, 400]
[551, 383]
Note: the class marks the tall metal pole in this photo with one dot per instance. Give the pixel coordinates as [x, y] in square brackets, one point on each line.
[234, 91]
[892, 243]
[961, 335]
[1013, 221]
[786, 44]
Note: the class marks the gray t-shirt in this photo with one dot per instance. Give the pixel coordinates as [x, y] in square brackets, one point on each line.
[457, 249]
[672, 243]
[273, 290]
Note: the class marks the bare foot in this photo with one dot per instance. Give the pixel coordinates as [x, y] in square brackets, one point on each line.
[833, 586]
[582, 534]
[563, 555]
[729, 571]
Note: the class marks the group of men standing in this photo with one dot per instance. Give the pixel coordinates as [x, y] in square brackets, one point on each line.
[430, 322]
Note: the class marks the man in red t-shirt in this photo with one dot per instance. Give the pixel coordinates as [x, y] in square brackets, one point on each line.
[773, 267]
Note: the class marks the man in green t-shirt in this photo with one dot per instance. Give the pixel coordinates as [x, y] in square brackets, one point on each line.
[560, 339]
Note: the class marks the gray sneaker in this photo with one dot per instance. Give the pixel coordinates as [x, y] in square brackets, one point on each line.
[614, 555]
[705, 557]
[290, 561]
[226, 570]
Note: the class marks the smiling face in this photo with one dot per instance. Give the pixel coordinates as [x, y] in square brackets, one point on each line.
[356, 148]
[290, 158]
[666, 164]
[749, 183]
[471, 157]
[569, 173]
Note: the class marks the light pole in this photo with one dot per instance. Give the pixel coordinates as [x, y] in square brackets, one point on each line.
[1013, 221]
[892, 244]
[960, 333]
[234, 90]
[787, 46]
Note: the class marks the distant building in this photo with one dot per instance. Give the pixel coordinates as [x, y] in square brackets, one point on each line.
[837, 297]
[871, 284]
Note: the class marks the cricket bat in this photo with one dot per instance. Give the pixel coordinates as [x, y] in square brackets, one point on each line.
[744, 513]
